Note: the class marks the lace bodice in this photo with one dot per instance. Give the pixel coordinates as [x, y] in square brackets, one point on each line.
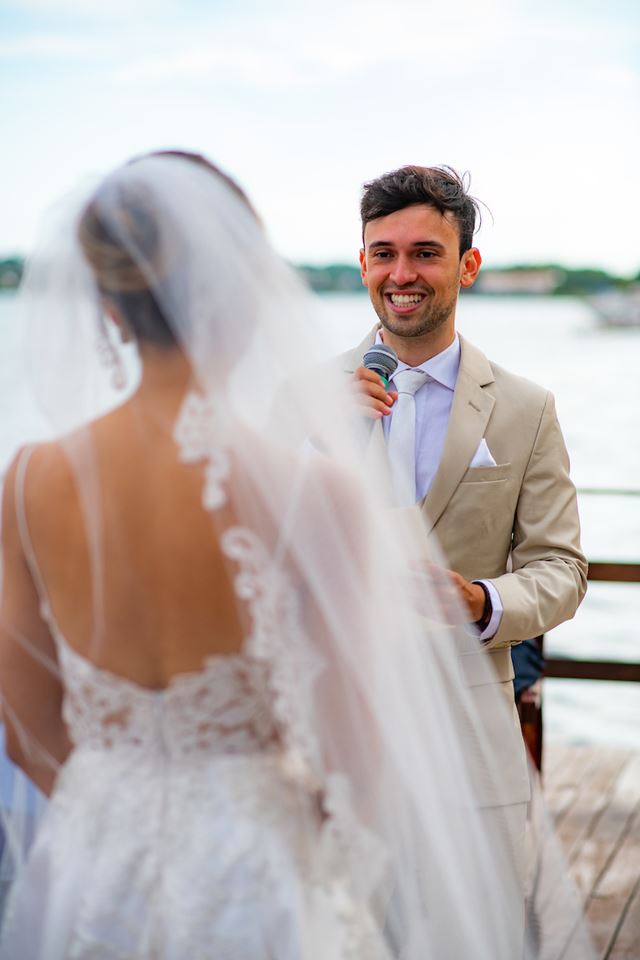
[222, 708]
[233, 704]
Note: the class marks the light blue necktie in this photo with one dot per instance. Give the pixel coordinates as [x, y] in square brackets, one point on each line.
[401, 440]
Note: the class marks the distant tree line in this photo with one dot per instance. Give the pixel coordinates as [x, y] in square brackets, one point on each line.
[525, 279]
[334, 278]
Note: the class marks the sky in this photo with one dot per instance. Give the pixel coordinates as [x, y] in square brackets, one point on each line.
[303, 102]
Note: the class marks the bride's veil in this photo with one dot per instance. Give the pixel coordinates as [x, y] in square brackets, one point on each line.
[365, 650]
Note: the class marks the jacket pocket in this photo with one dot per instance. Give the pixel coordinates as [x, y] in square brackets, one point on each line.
[487, 474]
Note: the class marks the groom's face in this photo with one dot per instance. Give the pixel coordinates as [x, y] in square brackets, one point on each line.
[412, 267]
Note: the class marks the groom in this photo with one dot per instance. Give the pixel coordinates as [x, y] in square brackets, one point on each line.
[477, 449]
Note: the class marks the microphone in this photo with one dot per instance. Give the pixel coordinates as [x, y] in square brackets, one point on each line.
[382, 360]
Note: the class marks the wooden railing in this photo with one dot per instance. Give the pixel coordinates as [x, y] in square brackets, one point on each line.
[565, 668]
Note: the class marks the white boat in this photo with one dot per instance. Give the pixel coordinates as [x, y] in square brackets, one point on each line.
[618, 308]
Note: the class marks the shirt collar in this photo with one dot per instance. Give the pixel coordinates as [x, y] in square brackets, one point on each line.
[443, 367]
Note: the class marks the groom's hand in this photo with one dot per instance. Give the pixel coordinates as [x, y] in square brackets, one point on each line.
[372, 397]
[471, 594]
[456, 596]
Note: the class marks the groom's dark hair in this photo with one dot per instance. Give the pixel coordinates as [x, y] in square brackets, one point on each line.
[439, 187]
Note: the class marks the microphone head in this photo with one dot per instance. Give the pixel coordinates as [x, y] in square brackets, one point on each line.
[382, 360]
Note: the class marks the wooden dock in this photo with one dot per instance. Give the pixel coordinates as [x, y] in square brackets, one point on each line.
[593, 794]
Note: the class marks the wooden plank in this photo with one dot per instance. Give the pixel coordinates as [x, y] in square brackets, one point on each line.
[610, 828]
[565, 668]
[573, 761]
[561, 790]
[556, 756]
[626, 945]
[614, 572]
[592, 797]
[599, 829]
[610, 901]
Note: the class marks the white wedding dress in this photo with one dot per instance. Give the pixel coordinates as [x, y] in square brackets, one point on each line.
[178, 828]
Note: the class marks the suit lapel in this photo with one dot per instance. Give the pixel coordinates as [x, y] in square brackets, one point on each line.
[352, 359]
[470, 412]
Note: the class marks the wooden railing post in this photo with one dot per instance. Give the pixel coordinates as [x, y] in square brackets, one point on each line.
[531, 714]
[565, 668]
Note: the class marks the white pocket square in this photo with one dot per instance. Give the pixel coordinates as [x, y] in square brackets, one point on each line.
[483, 457]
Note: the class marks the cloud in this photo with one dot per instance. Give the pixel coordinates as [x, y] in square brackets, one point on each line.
[287, 47]
[93, 9]
[50, 46]
[199, 62]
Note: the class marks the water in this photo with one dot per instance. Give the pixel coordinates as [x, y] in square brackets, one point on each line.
[593, 373]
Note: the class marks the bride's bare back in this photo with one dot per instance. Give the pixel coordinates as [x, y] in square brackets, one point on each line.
[130, 559]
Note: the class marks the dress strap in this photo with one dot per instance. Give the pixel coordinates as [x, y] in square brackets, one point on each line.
[23, 527]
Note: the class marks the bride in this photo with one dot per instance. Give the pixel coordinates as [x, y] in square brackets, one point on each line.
[253, 744]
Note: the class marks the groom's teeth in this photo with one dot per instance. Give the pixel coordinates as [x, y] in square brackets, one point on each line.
[402, 299]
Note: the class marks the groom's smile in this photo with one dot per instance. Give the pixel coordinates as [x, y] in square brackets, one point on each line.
[404, 302]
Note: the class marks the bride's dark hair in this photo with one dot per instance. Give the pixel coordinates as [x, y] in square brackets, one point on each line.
[121, 278]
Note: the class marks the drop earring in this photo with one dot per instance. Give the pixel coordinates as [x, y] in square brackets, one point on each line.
[109, 355]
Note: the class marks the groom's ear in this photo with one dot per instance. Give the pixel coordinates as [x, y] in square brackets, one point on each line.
[363, 267]
[470, 267]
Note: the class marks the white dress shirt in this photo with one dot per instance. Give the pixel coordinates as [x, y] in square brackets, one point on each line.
[433, 408]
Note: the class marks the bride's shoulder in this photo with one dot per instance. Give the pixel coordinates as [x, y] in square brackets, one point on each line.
[39, 472]
[52, 459]
[37, 459]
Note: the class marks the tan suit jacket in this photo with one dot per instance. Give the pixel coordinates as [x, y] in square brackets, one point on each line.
[515, 524]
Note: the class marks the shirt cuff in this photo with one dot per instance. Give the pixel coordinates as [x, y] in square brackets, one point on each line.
[496, 611]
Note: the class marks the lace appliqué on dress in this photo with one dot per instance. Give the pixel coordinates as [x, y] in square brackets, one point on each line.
[200, 435]
[278, 640]
[352, 860]
[222, 708]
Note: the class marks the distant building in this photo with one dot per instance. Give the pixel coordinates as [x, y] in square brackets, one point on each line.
[520, 280]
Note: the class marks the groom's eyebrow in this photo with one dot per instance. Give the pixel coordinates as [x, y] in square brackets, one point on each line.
[434, 244]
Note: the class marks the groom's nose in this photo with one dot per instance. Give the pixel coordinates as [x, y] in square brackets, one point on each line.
[403, 271]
